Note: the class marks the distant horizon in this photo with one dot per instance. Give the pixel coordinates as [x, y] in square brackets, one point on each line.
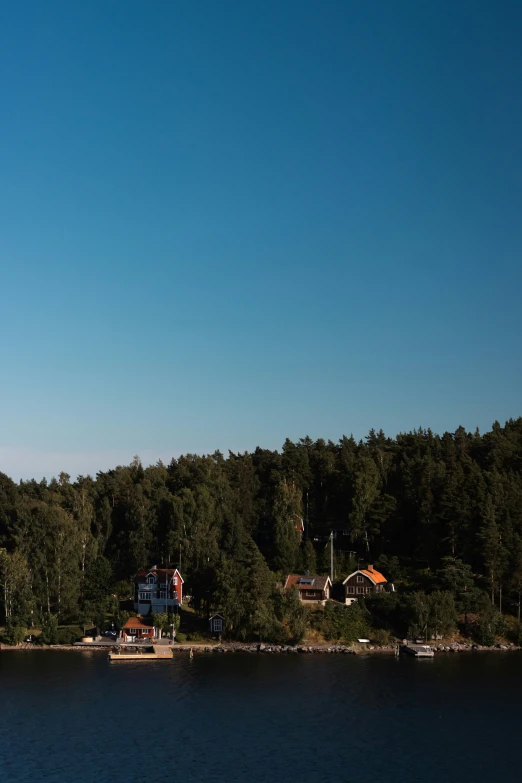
[65, 462]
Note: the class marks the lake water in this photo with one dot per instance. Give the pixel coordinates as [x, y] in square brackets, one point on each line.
[72, 717]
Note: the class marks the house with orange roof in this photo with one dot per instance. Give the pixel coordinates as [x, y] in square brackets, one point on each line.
[135, 630]
[363, 582]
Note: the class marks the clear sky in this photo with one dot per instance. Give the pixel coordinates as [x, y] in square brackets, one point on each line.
[226, 223]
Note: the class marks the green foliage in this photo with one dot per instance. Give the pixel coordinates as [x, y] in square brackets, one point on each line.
[485, 629]
[15, 580]
[122, 616]
[287, 513]
[68, 635]
[181, 637]
[13, 634]
[308, 558]
[416, 614]
[165, 621]
[124, 589]
[515, 633]
[390, 611]
[438, 515]
[342, 623]
[292, 616]
[432, 615]
[390, 567]
[49, 633]
[97, 583]
[195, 637]
[380, 636]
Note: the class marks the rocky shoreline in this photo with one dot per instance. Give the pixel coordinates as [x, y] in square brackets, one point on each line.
[334, 648]
[239, 647]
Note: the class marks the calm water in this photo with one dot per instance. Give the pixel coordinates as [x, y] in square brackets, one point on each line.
[72, 717]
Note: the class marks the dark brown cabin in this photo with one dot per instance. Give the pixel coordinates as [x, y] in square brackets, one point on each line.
[363, 582]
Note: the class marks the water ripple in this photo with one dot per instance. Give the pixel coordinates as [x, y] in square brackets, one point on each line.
[66, 717]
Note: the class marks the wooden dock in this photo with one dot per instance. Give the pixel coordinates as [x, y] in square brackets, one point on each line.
[159, 653]
[417, 650]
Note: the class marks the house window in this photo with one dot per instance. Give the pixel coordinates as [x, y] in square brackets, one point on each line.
[350, 589]
[162, 594]
[310, 593]
[368, 589]
[360, 590]
[360, 578]
[175, 580]
[218, 625]
[144, 596]
[151, 579]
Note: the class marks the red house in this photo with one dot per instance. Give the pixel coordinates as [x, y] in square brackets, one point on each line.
[157, 590]
[136, 629]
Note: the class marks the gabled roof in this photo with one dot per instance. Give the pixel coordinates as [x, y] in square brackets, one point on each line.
[216, 615]
[375, 576]
[135, 622]
[162, 574]
[317, 582]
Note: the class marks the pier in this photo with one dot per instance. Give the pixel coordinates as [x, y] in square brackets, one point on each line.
[417, 650]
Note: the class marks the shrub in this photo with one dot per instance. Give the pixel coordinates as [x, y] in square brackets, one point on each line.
[13, 634]
[68, 635]
[390, 611]
[49, 633]
[380, 636]
[485, 629]
[502, 626]
[291, 617]
[345, 623]
[181, 637]
[193, 637]
[515, 633]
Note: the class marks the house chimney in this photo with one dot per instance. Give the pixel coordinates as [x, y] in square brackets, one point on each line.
[370, 568]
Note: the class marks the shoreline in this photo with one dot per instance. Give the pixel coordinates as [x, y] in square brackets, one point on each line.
[263, 648]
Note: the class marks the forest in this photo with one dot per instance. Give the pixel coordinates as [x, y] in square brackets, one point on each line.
[439, 515]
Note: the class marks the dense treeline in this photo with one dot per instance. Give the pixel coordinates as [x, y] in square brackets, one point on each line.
[438, 514]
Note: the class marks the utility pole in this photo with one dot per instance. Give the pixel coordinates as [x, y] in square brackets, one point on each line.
[166, 590]
[331, 557]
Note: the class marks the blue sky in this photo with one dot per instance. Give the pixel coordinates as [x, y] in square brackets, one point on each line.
[222, 224]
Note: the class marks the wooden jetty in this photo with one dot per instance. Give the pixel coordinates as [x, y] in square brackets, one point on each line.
[156, 653]
[417, 650]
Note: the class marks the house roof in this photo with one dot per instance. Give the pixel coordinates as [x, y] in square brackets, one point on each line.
[135, 622]
[375, 576]
[162, 574]
[312, 582]
[216, 615]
